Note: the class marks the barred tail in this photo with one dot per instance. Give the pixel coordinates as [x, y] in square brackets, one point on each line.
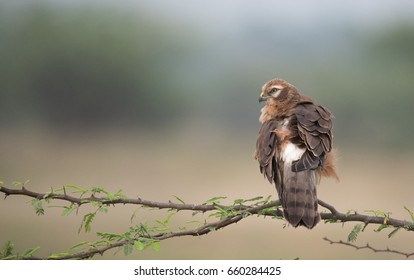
[299, 200]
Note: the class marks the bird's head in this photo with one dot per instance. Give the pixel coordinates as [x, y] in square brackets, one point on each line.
[278, 91]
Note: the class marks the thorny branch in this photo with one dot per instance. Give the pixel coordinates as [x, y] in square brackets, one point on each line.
[333, 215]
[387, 250]
[136, 201]
[158, 237]
[269, 208]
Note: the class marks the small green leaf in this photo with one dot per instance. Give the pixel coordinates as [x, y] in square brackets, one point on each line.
[239, 201]
[38, 207]
[254, 198]
[212, 228]
[76, 189]
[267, 199]
[98, 190]
[195, 222]
[109, 236]
[17, 184]
[30, 252]
[119, 194]
[379, 213]
[138, 245]
[410, 212]
[381, 227]
[79, 245]
[333, 220]
[133, 216]
[266, 211]
[156, 246]
[354, 233]
[7, 250]
[167, 219]
[103, 209]
[57, 255]
[214, 200]
[87, 221]
[179, 199]
[68, 210]
[127, 249]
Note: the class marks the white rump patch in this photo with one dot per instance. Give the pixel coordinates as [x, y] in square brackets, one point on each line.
[292, 153]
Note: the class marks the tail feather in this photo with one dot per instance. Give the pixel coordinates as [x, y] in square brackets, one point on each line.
[328, 167]
[299, 200]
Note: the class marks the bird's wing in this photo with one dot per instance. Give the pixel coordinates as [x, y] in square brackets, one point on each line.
[314, 125]
[266, 152]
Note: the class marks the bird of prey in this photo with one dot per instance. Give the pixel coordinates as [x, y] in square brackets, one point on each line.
[294, 149]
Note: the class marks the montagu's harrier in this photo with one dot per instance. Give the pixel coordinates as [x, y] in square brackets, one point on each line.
[294, 149]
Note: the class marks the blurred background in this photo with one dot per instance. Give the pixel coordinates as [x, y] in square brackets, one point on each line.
[159, 98]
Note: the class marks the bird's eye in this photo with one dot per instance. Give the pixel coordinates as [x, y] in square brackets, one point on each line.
[273, 90]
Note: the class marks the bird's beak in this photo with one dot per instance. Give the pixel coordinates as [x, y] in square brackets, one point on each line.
[261, 97]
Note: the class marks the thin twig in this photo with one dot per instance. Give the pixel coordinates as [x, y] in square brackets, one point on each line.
[387, 250]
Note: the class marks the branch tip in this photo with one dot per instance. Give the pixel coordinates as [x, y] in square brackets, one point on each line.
[367, 246]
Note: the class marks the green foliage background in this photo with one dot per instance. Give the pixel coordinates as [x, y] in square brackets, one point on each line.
[87, 66]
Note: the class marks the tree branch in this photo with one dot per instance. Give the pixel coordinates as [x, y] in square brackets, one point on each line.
[366, 219]
[135, 201]
[387, 250]
[334, 214]
[158, 237]
[232, 214]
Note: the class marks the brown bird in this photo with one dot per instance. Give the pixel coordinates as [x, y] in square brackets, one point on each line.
[294, 149]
